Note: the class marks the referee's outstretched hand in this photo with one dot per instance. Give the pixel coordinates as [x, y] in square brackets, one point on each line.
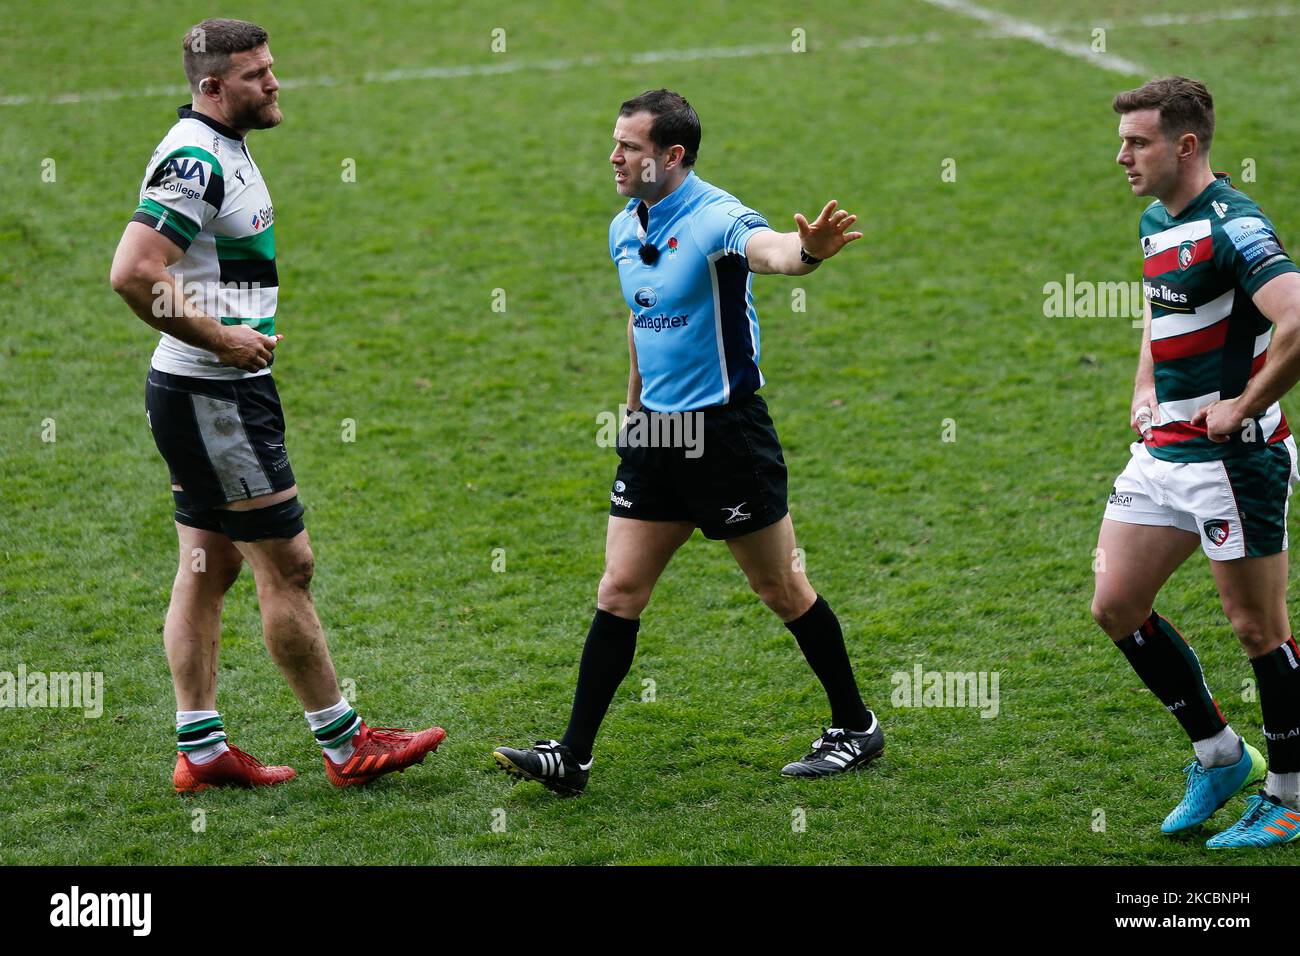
[826, 235]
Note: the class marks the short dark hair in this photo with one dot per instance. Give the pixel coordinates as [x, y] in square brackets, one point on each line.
[674, 122]
[208, 46]
[1185, 106]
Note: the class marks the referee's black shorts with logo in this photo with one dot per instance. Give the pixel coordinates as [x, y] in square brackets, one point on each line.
[720, 468]
[223, 440]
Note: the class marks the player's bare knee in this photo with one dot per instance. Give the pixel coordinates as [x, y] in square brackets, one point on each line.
[783, 595]
[1254, 633]
[226, 574]
[622, 596]
[1116, 619]
[209, 573]
[297, 569]
[1253, 640]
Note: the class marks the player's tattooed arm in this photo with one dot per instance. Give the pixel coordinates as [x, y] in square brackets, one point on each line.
[778, 253]
[1144, 411]
[1279, 301]
[634, 374]
[139, 275]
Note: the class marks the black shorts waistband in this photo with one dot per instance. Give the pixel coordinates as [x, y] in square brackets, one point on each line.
[219, 387]
[713, 411]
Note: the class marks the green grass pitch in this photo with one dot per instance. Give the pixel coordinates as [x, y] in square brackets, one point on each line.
[475, 429]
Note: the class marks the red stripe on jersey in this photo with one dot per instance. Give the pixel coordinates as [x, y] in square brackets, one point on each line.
[1191, 343]
[1258, 364]
[1174, 433]
[1167, 261]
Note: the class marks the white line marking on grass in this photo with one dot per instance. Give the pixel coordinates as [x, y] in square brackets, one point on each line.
[1231, 15]
[1025, 30]
[1209, 16]
[498, 69]
[1002, 27]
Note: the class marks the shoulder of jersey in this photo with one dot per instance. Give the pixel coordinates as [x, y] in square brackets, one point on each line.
[1232, 203]
[190, 132]
[709, 194]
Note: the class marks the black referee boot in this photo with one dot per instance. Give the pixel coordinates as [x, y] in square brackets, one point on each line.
[550, 763]
[839, 751]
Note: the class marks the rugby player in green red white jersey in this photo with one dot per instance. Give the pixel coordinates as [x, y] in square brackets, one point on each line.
[197, 262]
[1216, 461]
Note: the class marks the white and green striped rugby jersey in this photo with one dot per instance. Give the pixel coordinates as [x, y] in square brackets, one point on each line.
[203, 191]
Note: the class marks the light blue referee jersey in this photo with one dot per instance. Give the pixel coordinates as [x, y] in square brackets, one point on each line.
[694, 324]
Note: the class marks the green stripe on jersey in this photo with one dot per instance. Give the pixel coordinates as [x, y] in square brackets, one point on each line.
[264, 325]
[1188, 377]
[257, 246]
[186, 226]
[196, 152]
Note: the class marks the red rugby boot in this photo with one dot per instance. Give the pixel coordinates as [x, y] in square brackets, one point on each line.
[380, 751]
[234, 768]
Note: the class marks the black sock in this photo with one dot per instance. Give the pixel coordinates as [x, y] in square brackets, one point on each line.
[822, 642]
[1168, 666]
[1278, 673]
[606, 659]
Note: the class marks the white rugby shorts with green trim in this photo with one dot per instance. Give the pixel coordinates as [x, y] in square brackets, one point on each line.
[1238, 505]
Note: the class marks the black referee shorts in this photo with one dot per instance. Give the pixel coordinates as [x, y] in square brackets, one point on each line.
[223, 440]
[724, 472]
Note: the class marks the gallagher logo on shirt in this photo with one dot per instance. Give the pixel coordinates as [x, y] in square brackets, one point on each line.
[645, 297]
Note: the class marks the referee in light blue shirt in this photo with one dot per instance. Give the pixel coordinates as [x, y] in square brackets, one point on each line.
[685, 252]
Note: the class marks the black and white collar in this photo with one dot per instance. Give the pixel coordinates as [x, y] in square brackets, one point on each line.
[185, 112]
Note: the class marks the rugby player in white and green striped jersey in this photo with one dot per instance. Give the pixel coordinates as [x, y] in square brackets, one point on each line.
[197, 262]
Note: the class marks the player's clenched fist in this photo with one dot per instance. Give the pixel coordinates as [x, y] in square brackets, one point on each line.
[244, 347]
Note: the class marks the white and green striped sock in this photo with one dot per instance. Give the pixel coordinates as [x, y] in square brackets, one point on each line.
[334, 727]
[200, 735]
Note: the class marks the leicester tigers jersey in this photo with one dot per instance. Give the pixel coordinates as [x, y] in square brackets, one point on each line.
[1208, 339]
[203, 191]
